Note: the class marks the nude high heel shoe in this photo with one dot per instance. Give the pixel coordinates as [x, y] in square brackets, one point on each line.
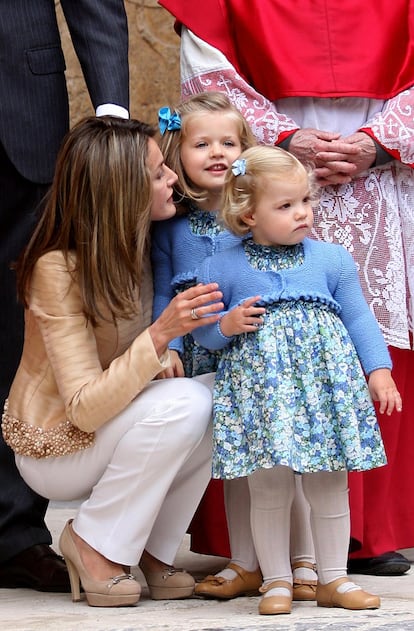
[170, 583]
[116, 591]
[165, 582]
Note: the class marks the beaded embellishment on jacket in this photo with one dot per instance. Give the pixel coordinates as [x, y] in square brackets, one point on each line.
[28, 440]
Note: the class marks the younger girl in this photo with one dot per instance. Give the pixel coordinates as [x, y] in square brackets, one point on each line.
[290, 395]
[200, 139]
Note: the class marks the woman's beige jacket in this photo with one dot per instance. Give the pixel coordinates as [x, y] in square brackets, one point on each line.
[72, 377]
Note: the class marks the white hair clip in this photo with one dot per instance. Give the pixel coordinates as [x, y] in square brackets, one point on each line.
[239, 167]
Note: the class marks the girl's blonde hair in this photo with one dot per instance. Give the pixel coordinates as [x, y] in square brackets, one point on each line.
[241, 192]
[99, 209]
[170, 143]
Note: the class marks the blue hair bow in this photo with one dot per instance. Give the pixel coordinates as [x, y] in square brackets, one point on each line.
[239, 167]
[168, 120]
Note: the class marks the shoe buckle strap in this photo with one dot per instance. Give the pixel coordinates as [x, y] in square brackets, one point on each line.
[304, 581]
[121, 577]
[299, 564]
[170, 571]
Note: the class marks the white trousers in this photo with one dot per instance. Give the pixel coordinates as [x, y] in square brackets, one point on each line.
[143, 477]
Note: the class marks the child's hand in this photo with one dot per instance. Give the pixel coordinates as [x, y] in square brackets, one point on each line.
[175, 370]
[383, 389]
[243, 318]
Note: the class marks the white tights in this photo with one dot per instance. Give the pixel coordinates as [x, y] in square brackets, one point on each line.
[237, 501]
[272, 492]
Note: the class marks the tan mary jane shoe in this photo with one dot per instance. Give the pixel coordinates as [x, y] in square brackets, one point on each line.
[244, 584]
[304, 589]
[328, 596]
[274, 605]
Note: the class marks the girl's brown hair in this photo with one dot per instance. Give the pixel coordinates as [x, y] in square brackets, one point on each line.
[97, 213]
[170, 143]
[241, 192]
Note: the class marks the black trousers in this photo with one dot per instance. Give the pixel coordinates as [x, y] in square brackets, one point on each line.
[22, 511]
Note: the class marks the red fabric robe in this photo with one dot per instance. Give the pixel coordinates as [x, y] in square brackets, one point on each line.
[303, 48]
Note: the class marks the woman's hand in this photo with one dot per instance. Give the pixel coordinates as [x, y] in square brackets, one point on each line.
[175, 370]
[244, 318]
[383, 389]
[188, 310]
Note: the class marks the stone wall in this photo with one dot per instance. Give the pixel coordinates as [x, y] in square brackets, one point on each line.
[153, 58]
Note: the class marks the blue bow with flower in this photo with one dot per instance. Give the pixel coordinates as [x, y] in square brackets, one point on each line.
[239, 167]
[168, 120]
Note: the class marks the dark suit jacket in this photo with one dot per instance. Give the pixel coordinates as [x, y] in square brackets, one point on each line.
[34, 110]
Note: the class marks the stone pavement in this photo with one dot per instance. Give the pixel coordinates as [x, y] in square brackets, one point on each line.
[26, 610]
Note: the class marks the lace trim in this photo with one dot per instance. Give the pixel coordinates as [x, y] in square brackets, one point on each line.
[28, 440]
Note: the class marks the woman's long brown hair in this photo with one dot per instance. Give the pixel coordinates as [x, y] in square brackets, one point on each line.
[97, 213]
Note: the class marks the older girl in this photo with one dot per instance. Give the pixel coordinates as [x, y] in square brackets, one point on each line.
[201, 137]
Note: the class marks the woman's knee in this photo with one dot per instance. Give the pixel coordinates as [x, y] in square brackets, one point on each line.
[189, 403]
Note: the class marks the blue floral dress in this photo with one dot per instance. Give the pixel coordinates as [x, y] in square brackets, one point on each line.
[196, 359]
[294, 392]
